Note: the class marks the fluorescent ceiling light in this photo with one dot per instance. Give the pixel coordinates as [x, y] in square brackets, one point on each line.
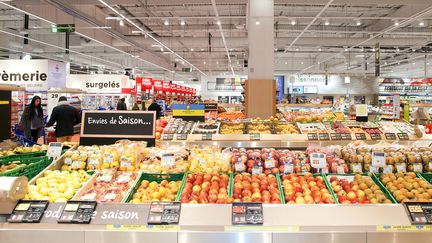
[347, 80]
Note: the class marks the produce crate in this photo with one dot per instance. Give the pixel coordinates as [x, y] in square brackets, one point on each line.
[278, 179]
[425, 176]
[158, 178]
[32, 166]
[374, 178]
[314, 175]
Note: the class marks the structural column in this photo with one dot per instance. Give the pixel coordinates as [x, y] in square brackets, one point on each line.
[260, 93]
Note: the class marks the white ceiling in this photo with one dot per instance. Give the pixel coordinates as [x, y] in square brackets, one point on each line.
[339, 41]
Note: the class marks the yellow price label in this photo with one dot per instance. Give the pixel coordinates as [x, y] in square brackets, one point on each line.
[247, 228]
[143, 227]
[381, 228]
[4, 102]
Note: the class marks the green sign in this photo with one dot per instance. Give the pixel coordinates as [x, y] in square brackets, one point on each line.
[406, 112]
[187, 70]
[62, 28]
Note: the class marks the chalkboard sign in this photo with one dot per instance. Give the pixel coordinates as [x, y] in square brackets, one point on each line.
[118, 124]
[210, 107]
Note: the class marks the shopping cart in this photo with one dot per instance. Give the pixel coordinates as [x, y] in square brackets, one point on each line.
[21, 138]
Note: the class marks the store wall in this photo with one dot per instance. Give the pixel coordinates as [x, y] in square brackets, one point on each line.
[212, 94]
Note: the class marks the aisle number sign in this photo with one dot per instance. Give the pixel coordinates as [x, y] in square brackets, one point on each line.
[318, 160]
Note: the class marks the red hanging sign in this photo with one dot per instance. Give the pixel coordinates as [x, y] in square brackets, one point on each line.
[146, 83]
[157, 85]
[166, 86]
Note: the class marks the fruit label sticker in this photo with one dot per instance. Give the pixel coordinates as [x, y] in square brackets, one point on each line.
[388, 169]
[239, 167]
[108, 158]
[54, 150]
[317, 160]
[340, 169]
[125, 162]
[94, 162]
[269, 163]
[400, 168]
[76, 165]
[67, 161]
[256, 170]
[168, 160]
[357, 168]
[373, 169]
[288, 169]
[418, 167]
[378, 159]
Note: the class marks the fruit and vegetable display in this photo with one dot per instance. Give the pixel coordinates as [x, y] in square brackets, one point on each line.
[210, 160]
[336, 127]
[256, 188]
[407, 187]
[152, 191]
[231, 116]
[176, 126]
[107, 186]
[232, 128]
[334, 116]
[259, 128]
[57, 186]
[208, 127]
[286, 128]
[206, 188]
[314, 127]
[23, 150]
[306, 189]
[357, 189]
[303, 116]
[165, 160]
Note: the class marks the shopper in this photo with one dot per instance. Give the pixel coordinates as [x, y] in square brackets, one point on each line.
[155, 107]
[135, 107]
[143, 106]
[121, 105]
[32, 120]
[65, 117]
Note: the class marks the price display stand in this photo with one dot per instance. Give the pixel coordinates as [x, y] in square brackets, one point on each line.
[77, 212]
[28, 211]
[312, 136]
[255, 137]
[247, 213]
[360, 136]
[419, 212]
[54, 150]
[164, 213]
[403, 136]
[323, 136]
[390, 136]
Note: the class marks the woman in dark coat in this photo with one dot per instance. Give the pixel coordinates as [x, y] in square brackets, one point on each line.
[32, 120]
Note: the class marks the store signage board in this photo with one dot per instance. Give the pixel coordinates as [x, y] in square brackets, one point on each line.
[255, 137]
[360, 136]
[118, 124]
[312, 136]
[419, 212]
[390, 136]
[378, 159]
[317, 160]
[54, 150]
[323, 136]
[163, 213]
[98, 83]
[247, 213]
[210, 106]
[182, 136]
[403, 136]
[28, 211]
[78, 212]
[63, 28]
[191, 112]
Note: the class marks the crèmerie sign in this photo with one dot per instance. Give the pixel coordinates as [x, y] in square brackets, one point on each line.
[118, 124]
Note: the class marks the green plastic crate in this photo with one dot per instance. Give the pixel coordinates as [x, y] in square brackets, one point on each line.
[281, 194]
[387, 194]
[158, 178]
[32, 166]
[425, 176]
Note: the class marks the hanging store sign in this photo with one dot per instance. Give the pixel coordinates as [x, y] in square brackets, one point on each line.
[377, 60]
[98, 83]
[147, 83]
[34, 75]
[189, 112]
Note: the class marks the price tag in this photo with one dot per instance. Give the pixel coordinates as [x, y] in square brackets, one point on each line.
[54, 150]
[167, 136]
[400, 167]
[419, 213]
[360, 136]
[168, 160]
[269, 163]
[336, 136]
[255, 137]
[418, 167]
[288, 169]
[378, 159]
[357, 168]
[323, 170]
[317, 160]
[403, 136]
[108, 158]
[323, 136]
[388, 169]
[390, 136]
[373, 169]
[346, 136]
[256, 170]
[340, 169]
[77, 212]
[239, 167]
[376, 136]
[206, 136]
[312, 136]
[125, 162]
[163, 213]
[93, 162]
[28, 211]
[247, 213]
[182, 136]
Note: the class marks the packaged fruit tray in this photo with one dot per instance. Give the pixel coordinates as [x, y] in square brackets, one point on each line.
[286, 128]
[200, 188]
[210, 127]
[407, 187]
[314, 127]
[358, 188]
[259, 128]
[23, 166]
[317, 192]
[232, 128]
[147, 182]
[257, 188]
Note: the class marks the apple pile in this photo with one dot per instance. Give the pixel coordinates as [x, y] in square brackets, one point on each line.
[206, 188]
[407, 187]
[359, 189]
[305, 189]
[256, 188]
[268, 161]
[164, 191]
